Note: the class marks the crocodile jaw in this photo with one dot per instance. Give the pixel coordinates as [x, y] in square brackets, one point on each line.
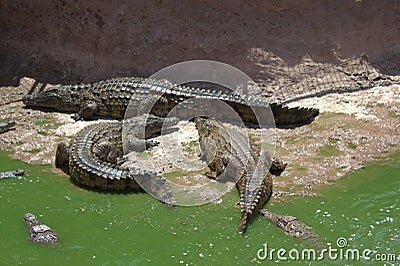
[55, 99]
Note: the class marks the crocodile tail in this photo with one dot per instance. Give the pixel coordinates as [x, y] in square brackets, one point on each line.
[250, 209]
[157, 186]
[286, 117]
[244, 220]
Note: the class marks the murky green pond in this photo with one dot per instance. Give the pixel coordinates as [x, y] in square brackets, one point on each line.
[135, 229]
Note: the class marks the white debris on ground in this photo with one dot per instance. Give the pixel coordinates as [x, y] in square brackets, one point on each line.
[70, 127]
[356, 103]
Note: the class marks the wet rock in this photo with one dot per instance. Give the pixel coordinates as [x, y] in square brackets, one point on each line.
[38, 232]
[12, 174]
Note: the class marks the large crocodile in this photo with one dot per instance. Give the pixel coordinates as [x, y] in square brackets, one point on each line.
[92, 157]
[111, 98]
[227, 153]
[6, 126]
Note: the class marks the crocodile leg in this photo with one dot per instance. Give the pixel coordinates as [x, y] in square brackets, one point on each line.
[86, 112]
[133, 143]
[107, 151]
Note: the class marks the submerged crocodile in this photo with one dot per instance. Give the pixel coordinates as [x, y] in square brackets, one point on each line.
[12, 174]
[292, 227]
[230, 155]
[111, 98]
[38, 232]
[6, 126]
[92, 157]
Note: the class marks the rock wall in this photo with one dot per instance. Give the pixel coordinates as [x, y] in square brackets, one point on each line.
[77, 40]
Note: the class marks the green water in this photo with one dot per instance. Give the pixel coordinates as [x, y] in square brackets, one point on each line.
[135, 229]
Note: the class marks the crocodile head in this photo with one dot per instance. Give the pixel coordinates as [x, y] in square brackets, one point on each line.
[57, 98]
[155, 124]
[152, 124]
[278, 219]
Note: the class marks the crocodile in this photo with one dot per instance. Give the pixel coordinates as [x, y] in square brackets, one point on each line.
[94, 158]
[292, 227]
[227, 153]
[112, 97]
[38, 232]
[6, 126]
[12, 174]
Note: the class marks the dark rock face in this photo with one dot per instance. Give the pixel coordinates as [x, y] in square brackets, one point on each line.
[38, 232]
[60, 41]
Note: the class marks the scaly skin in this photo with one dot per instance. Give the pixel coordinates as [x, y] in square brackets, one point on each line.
[231, 156]
[38, 232]
[292, 227]
[92, 158]
[110, 98]
[5, 126]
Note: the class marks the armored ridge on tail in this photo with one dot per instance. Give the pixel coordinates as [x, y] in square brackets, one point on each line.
[110, 98]
[232, 156]
[92, 158]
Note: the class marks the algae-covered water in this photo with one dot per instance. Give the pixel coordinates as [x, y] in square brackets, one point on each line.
[136, 229]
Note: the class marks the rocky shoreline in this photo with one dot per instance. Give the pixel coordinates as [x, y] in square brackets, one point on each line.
[354, 128]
